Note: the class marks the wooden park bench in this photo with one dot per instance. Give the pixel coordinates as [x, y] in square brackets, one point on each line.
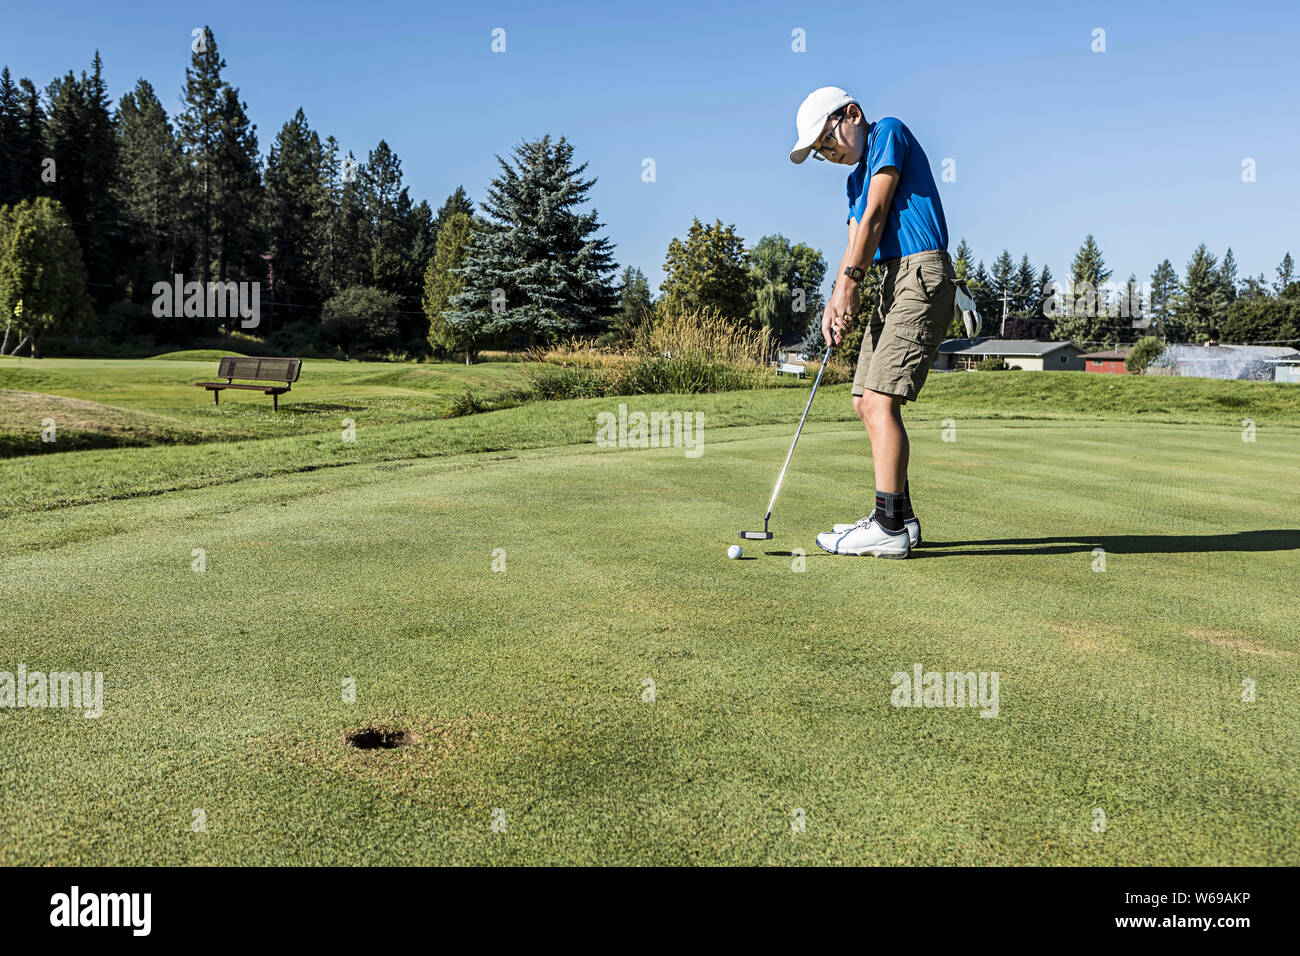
[254, 369]
[790, 368]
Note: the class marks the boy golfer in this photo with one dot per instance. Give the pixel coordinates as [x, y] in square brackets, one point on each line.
[896, 219]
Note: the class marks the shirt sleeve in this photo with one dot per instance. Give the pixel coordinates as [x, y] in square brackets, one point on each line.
[889, 149]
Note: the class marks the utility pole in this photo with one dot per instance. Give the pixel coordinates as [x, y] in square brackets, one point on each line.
[1002, 332]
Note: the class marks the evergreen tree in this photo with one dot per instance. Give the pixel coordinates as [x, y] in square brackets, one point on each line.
[1264, 318]
[1200, 309]
[552, 270]
[456, 202]
[964, 263]
[1131, 312]
[1045, 294]
[1228, 276]
[238, 178]
[1164, 288]
[30, 149]
[297, 201]
[986, 300]
[1084, 316]
[1024, 298]
[147, 184]
[1253, 287]
[80, 139]
[342, 236]
[1004, 277]
[634, 302]
[199, 132]
[11, 144]
[1284, 274]
[709, 270]
[387, 205]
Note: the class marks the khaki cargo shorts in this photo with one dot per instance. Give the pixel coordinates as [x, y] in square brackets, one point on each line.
[916, 306]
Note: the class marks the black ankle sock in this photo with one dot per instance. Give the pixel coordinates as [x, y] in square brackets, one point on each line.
[907, 500]
[889, 510]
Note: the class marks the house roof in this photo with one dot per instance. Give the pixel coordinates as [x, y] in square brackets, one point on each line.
[1004, 346]
[1113, 354]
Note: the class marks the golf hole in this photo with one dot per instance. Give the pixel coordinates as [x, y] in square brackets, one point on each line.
[378, 738]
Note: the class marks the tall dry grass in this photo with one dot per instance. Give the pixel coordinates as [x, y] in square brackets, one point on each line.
[684, 352]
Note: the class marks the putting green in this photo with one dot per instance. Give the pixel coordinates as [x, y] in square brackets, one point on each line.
[771, 737]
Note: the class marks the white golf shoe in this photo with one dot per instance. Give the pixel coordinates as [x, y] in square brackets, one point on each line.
[866, 537]
[911, 524]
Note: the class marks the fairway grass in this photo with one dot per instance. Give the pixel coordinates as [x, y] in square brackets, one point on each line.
[524, 689]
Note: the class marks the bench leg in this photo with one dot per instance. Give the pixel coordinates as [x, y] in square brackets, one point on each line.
[275, 402]
[216, 394]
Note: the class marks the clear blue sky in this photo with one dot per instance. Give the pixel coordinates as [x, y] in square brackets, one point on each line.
[1141, 145]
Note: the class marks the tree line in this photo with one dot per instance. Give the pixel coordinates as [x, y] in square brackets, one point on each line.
[98, 206]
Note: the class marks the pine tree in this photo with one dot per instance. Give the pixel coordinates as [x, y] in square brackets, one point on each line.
[986, 301]
[388, 213]
[543, 256]
[148, 180]
[1284, 274]
[30, 150]
[964, 263]
[1228, 276]
[634, 302]
[297, 201]
[11, 120]
[1085, 316]
[1045, 295]
[1004, 277]
[1164, 289]
[1200, 308]
[199, 132]
[80, 139]
[457, 202]
[238, 178]
[1024, 301]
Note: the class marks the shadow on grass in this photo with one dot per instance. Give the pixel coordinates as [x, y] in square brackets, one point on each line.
[1273, 540]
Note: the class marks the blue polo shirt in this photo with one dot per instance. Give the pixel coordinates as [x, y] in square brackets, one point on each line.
[916, 221]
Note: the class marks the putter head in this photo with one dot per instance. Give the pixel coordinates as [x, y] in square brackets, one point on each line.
[755, 535]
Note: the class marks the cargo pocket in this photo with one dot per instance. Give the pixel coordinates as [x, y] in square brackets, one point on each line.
[933, 285]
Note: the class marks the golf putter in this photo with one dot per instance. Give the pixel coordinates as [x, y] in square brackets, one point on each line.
[765, 534]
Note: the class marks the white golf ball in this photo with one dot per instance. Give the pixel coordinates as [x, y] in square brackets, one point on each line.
[734, 552]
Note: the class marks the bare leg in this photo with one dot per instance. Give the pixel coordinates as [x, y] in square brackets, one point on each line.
[890, 449]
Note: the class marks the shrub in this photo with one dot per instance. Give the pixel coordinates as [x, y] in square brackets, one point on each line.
[993, 363]
[299, 339]
[1145, 351]
[361, 319]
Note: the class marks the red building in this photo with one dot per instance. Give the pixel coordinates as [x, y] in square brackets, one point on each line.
[1111, 362]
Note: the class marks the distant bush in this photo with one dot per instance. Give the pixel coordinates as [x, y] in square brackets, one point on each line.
[299, 339]
[361, 319]
[1145, 351]
[994, 363]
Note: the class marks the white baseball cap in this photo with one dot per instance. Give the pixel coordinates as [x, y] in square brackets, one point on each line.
[810, 121]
